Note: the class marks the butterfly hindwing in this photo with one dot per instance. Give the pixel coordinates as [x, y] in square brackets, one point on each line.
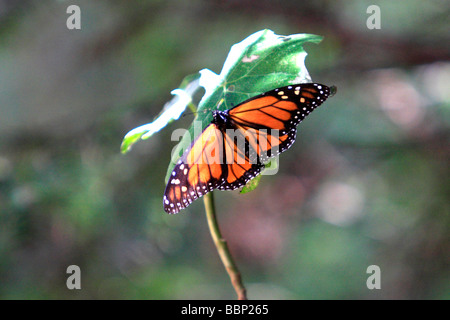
[240, 167]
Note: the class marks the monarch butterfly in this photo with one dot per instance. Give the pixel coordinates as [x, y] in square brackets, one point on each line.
[265, 126]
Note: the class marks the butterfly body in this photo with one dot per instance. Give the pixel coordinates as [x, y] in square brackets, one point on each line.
[221, 119]
[234, 147]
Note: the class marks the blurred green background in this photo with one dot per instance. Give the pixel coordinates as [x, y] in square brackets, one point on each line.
[366, 183]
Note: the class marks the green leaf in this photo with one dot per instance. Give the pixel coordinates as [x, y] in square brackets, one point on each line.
[261, 62]
[172, 110]
[252, 184]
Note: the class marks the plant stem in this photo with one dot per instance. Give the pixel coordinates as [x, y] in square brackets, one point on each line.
[222, 247]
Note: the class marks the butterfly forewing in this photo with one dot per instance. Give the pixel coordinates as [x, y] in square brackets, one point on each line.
[280, 109]
[198, 171]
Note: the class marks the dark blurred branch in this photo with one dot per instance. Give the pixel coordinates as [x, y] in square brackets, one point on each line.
[358, 48]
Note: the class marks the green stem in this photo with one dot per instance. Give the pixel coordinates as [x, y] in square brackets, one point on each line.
[222, 247]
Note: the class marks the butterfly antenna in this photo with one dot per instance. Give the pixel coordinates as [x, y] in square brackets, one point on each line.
[187, 113]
